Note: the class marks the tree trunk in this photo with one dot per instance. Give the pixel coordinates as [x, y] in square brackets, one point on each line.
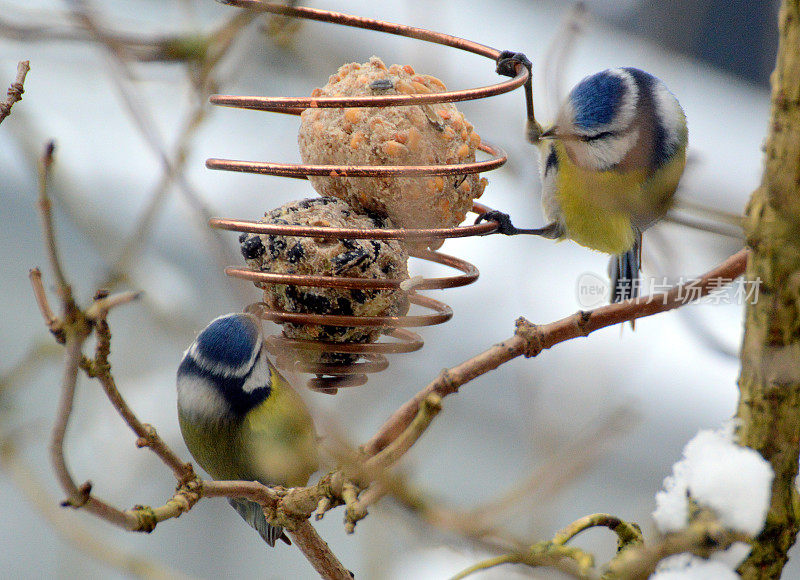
[769, 404]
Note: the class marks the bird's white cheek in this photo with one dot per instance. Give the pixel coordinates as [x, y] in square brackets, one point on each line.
[198, 399]
[670, 114]
[602, 154]
[259, 376]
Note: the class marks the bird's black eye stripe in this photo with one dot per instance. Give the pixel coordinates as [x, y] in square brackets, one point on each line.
[601, 135]
[552, 162]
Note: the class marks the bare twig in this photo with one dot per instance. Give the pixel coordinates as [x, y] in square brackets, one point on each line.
[147, 436]
[531, 339]
[33, 490]
[78, 496]
[628, 534]
[702, 537]
[389, 455]
[45, 210]
[100, 307]
[50, 319]
[634, 560]
[15, 90]
[72, 364]
[172, 165]
[572, 561]
[317, 552]
[73, 328]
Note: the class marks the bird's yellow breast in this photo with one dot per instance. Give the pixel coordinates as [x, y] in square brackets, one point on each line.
[600, 208]
[280, 438]
[274, 443]
[593, 204]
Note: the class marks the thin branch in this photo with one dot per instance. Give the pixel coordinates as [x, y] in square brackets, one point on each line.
[73, 328]
[110, 554]
[77, 496]
[45, 210]
[100, 307]
[15, 90]
[627, 533]
[50, 319]
[147, 436]
[317, 552]
[391, 454]
[531, 339]
[70, 377]
[572, 561]
[702, 537]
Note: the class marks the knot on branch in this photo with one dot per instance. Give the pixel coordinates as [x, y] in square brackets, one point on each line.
[447, 382]
[57, 330]
[81, 496]
[15, 91]
[531, 334]
[278, 513]
[148, 438]
[189, 480]
[582, 318]
[146, 517]
[186, 495]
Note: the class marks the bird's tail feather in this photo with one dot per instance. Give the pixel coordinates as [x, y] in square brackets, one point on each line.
[253, 514]
[624, 272]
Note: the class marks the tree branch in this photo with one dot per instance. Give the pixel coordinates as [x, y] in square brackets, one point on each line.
[45, 211]
[704, 536]
[110, 554]
[147, 436]
[531, 339]
[316, 551]
[628, 534]
[15, 90]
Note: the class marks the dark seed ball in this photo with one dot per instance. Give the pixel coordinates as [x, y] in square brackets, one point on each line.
[346, 258]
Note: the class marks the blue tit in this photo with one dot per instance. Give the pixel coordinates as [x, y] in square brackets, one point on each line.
[610, 166]
[240, 418]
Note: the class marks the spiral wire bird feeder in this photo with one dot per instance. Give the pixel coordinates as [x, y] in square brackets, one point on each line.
[329, 376]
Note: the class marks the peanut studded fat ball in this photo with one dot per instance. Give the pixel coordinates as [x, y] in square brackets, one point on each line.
[411, 135]
[346, 258]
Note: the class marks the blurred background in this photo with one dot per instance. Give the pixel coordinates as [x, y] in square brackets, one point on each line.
[589, 426]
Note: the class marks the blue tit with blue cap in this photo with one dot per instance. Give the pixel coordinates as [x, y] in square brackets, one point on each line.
[240, 419]
[610, 166]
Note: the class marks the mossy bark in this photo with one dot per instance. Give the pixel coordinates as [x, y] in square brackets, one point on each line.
[769, 405]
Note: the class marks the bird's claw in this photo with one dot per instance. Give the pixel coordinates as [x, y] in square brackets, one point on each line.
[504, 225]
[506, 63]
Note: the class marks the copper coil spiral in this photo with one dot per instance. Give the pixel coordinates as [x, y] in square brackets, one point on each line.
[330, 377]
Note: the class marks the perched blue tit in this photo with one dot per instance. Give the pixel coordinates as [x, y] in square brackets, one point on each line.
[240, 418]
[610, 166]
